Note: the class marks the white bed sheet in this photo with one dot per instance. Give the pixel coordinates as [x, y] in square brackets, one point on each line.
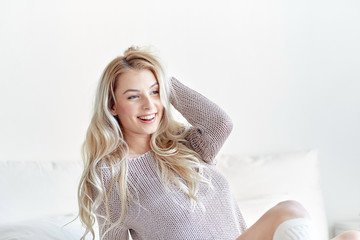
[49, 228]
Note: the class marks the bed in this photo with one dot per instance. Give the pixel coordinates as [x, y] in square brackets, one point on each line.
[39, 201]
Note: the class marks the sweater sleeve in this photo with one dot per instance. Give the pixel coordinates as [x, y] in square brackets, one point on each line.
[116, 233]
[210, 124]
[120, 230]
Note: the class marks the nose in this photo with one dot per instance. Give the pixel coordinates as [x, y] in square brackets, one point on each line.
[148, 102]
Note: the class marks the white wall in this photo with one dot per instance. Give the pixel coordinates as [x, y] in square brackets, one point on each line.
[286, 71]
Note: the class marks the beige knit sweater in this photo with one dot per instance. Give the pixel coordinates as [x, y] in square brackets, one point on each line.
[164, 214]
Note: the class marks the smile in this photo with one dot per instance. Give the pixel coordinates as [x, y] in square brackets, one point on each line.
[149, 117]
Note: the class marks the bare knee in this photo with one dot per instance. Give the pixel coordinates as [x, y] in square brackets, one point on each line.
[289, 209]
[265, 227]
[349, 235]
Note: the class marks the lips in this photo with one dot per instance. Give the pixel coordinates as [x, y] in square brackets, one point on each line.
[147, 118]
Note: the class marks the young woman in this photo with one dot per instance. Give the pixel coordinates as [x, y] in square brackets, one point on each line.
[153, 178]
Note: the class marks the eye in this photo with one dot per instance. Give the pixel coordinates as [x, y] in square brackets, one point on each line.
[155, 92]
[133, 97]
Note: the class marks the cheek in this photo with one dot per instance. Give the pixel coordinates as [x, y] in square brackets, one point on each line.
[160, 107]
[125, 110]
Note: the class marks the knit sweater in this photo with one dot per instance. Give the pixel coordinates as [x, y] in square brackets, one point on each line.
[166, 213]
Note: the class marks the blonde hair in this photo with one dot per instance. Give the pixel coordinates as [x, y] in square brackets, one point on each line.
[105, 145]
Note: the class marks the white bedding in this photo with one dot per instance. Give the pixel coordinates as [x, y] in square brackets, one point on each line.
[34, 190]
[50, 228]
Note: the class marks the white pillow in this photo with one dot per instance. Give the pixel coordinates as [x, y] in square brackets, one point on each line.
[36, 189]
[260, 182]
[48, 228]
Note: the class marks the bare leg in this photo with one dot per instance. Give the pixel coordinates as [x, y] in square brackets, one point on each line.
[265, 227]
[350, 235]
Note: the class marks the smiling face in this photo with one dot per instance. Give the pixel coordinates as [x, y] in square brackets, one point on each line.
[138, 103]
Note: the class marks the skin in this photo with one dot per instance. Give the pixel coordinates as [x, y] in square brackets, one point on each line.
[265, 227]
[139, 108]
[349, 235]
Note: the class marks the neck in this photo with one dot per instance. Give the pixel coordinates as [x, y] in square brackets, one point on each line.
[138, 145]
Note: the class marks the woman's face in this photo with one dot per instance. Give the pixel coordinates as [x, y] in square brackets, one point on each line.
[138, 104]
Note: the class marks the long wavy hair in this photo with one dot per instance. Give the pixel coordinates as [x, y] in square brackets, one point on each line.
[105, 145]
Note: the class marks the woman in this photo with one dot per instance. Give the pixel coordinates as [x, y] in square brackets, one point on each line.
[150, 176]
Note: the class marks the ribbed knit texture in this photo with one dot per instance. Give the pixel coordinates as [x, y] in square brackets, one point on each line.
[294, 229]
[162, 213]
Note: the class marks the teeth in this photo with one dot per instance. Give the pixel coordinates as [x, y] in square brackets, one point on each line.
[148, 117]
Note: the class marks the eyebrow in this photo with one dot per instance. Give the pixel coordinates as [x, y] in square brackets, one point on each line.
[135, 90]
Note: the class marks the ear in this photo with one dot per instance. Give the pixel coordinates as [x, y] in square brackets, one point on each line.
[113, 108]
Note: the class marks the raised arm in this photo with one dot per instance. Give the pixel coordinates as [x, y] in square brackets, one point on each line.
[210, 124]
